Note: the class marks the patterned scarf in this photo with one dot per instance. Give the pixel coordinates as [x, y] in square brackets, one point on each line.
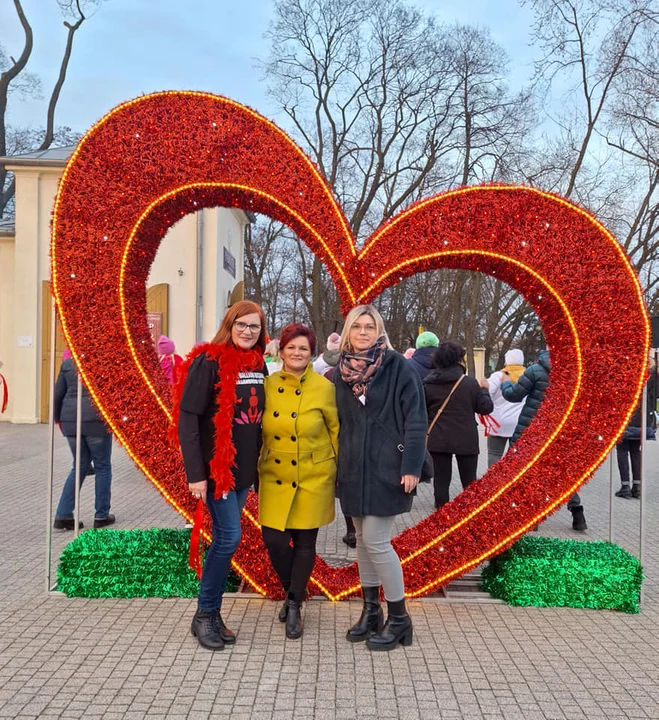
[358, 368]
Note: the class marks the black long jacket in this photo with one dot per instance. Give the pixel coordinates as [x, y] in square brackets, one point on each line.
[456, 430]
[380, 441]
[65, 404]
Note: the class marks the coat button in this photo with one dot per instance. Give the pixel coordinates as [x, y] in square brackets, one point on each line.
[275, 413]
[281, 389]
[294, 484]
[277, 460]
[293, 415]
[293, 438]
[277, 437]
[297, 392]
[293, 462]
[278, 482]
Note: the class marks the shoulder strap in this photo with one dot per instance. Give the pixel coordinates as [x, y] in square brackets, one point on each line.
[441, 409]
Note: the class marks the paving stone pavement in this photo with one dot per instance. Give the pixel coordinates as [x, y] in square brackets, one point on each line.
[75, 658]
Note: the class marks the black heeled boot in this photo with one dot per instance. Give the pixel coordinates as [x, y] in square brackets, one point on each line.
[294, 619]
[228, 636]
[204, 627]
[372, 618]
[283, 613]
[397, 629]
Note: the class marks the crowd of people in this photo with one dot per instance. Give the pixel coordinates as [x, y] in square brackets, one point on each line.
[354, 423]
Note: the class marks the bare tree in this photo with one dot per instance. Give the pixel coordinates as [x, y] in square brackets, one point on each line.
[16, 81]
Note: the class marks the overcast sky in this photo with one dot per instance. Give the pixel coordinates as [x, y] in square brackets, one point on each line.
[131, 47]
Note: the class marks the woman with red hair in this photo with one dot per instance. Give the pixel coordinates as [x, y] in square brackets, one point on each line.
[297, 470]
[221, 393]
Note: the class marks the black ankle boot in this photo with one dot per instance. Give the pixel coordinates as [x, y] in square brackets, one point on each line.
[397, 629]
[372, 618]
[294, 619]
[283, 613]
[228, 637]
[578, 519]
[205, 629]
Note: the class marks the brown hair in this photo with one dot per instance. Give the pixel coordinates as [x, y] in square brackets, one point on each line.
[240, 309]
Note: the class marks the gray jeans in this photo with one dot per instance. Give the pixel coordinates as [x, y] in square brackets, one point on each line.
[376, 558]
[496, 446]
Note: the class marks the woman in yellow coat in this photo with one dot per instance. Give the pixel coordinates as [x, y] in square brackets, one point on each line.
[297, 469]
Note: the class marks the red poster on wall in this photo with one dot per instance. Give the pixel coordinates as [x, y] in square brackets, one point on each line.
[154, 319]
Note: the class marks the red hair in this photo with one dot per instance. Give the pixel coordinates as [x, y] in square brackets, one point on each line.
[290, 332]
[240, 309]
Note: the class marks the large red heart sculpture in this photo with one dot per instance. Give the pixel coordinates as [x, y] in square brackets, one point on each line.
[156, 158]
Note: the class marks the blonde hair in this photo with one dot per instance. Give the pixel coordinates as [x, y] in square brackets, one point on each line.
[353, 315]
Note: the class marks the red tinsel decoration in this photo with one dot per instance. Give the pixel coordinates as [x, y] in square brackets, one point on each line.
[159, 157]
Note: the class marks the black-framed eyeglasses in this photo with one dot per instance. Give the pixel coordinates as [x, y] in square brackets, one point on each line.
[241, 327]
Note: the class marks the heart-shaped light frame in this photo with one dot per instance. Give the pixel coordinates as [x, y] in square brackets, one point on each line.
[154, 159]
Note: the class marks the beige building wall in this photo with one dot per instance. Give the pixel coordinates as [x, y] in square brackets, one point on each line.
[176, 264]
[7, 316]
[25, 263]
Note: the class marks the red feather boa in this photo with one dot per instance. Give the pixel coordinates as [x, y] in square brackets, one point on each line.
[230, 362]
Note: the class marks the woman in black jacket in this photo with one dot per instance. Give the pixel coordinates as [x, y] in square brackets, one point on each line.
[219, 428]
[381, 450]
[95, 446]
[455, 432]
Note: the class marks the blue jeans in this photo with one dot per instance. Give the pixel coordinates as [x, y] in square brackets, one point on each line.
[225, 514]
[98, 450]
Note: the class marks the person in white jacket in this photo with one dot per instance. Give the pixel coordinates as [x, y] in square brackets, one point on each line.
[505, 414]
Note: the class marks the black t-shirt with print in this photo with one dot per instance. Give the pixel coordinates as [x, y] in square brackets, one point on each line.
[197, 431]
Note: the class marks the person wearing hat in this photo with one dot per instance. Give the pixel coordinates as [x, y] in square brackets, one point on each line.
[169, 360]
[426, 345]
[505, 413]
[328, 360]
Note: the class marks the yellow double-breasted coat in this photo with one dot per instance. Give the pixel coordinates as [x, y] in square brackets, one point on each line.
[297, 467]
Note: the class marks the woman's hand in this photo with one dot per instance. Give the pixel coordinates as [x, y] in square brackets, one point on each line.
[198, 489]
[409, 482]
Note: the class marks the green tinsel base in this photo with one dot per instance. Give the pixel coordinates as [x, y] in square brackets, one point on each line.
[130, 563]
[548, 572]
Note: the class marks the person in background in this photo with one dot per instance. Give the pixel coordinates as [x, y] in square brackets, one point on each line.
[505, 413]
[327, 360]
[421, 360]
[297, 469]
[219, 430]
[629, 446]
[458, 398]
[169, 360]
[408, 353]
[531, 387]
[271, 355]
[381, 452]
[96, 447]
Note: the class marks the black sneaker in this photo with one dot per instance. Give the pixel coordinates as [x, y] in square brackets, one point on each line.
[104, 522]
[66, 524]
[636, 491]
[624, 492]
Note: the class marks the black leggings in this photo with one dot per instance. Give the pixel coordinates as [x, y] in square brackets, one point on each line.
[293, 564]
[467, 467]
